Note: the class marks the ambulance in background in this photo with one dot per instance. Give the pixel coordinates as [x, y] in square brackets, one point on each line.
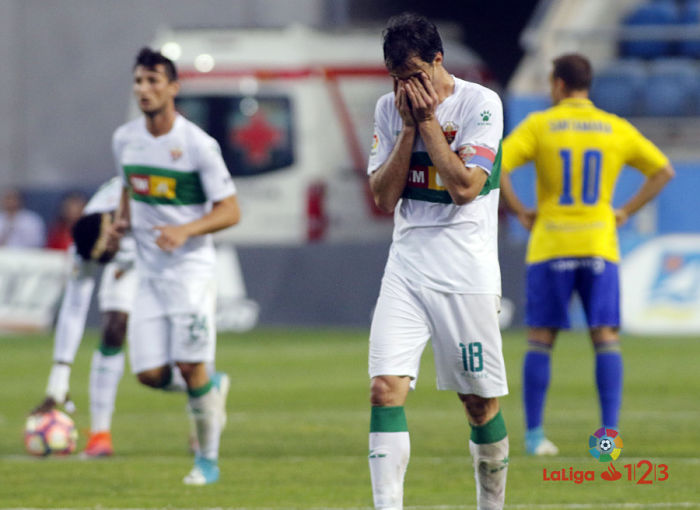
[293, 112]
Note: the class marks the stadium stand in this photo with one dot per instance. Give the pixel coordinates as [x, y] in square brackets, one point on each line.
[690, 17]
[652, 15]
[619, 87]
[670, 88]
[645, 53]
[661, 88]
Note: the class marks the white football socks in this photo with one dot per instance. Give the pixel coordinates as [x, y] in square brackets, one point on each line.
[206, 409]
[490, 472]
[59, 377]
[489, 449]
[105, 373]
[389, 453]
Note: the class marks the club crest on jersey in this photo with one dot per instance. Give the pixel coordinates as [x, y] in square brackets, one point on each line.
[153, 185]
[176, 153]
[449, 129]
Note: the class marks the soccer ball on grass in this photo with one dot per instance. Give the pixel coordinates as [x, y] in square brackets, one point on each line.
[50, 433]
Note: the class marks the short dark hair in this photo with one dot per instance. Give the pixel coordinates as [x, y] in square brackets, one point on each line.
[407, 35]
[150, 59]
[86, 236]
[574, 70]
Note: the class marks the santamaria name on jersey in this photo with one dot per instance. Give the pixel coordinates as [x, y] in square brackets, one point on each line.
[579, 125]
[164, 187]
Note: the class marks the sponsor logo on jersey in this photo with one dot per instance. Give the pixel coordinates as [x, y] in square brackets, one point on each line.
[423, 181]
[418, 176]
[153, 185]
[485, 116]
[375, 144]
[424, 176]
[449, 129]
[139, 184]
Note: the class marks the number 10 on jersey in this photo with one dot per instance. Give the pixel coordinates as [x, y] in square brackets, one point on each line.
[590, 185]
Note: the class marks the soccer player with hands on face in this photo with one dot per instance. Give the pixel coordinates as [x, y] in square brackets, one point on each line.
[435, 163]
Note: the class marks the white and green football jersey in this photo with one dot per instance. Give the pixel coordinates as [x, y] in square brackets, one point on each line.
[172, 179]
[436, 243]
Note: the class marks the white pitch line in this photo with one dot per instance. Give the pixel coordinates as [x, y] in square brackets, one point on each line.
[553, 506]
[551, 461]
[622, 459]
[583, 506]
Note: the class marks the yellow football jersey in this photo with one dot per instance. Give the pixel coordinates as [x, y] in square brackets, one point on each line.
[578, 151]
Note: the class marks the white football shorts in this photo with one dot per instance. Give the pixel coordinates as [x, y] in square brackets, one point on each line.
[172, 321]
[117, 288]
[464, 329]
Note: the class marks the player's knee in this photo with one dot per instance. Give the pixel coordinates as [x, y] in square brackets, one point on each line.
[479, 409]
[187, 370]
[114, 330]
[155, 378]
[383, 392]
[544, 336]
[604, 335]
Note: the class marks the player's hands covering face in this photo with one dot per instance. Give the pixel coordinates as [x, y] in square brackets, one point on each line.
[422, 96]
[402, 104]
[171, 237]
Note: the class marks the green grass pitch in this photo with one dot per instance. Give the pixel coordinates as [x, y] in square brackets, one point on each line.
[298, 423]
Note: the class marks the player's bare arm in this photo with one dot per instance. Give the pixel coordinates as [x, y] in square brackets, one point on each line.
[651, 187]
[224, 213]
[525, 216]
[121, 223]
[462, 183]
[388, 181]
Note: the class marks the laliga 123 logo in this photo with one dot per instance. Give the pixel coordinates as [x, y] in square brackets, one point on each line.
[605, 444]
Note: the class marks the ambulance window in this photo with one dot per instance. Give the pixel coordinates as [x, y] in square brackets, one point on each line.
[255, 132]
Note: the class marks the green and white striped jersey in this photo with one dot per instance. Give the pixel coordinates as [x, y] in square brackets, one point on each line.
[436, 243]
[172, 179]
